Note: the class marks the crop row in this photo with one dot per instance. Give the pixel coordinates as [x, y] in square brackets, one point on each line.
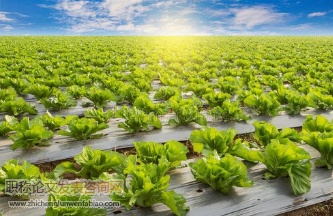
[146, 173]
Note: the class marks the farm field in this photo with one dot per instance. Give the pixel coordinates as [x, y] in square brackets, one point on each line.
[192, 125]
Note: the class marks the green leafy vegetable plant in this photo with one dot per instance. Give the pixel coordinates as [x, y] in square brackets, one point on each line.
[136, 120]
[58, 102]
[92, 163]
[83, 128]
[265, 132]
[99, 97]
[17, 107]
[100, 115]
[221, 173]
[216, 99]
[263, 105]
[39, 91]
[152, 152]
[11, 169]
[229, 111]
[145, 104]
[8, 125]
[147, 186]
[30, 133]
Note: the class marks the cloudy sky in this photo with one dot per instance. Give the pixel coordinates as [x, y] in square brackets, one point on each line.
[166, 17]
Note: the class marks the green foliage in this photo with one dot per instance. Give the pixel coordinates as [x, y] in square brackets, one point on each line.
[296, 103]
[12, 170]
[99, 115]
[92, 163]
[7, 94]
[145, 104]
[30, 133]
[221, 174]
[39, 91]
[216, 99]
[289, 160]
[229, 111]
[263, 105]
[99, 97]
[62, 211]
[208, 139]
[76, 92]
[265, 132]
[186, 112]
[147, 186]
[322, 142]
[8, 125]
[58, 102]
[319, 124]
[83, 128]
[198, 89]
[152, 152]
[53, 123]
[17, 107]
[136, 120]
[321, 101]
[166, 92]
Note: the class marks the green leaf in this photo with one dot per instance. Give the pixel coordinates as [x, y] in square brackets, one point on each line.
[300, 177]
[175, 202]
[30, 133]
[211, 139]
[221, 174]
[83, 128]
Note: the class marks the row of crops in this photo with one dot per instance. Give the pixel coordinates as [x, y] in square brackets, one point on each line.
[219, 166]
[136, 83]
[230, 79]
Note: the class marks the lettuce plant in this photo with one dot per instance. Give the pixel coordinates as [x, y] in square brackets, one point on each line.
[229, 111]
[83, 128]
[152, 152]
[166, 92]
[58, 102]
[319, 124]
[100, 115]
[221, 173]
[216, 99]
[147, 186]
[58, 211]
[11, 169]
[145, 104]
[39, 91]
[17, 107]
[265, 132]
[30, 133]
[288, 160]
[136, 120]
[7, 94]
[323, 143]
[296, 103]
[100, 98]
[263, 105]
[8, 125]
[76, 92]
[209, 139]
[92, 163]
[198, 89]
[53, 123]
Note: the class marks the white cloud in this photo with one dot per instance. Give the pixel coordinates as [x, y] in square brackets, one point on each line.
[6, 27]
[76, 8]
[250, 17]
[5, 18]
[317, 14]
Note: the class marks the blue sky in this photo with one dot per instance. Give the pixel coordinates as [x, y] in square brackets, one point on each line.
[166, 17]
